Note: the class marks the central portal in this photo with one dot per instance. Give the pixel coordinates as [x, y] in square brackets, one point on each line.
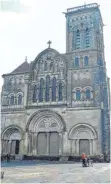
[48, 144]
[46, 128]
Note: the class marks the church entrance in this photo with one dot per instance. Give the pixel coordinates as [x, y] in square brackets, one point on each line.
[48, 143]
[11, 141]
[53, 144]
[45, 135]
[84, 146]
[14, 148]
[42, 143]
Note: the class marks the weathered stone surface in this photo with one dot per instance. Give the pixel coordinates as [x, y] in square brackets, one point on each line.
[56, 94]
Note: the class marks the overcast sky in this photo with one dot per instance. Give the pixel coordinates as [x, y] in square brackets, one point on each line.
[27, 25]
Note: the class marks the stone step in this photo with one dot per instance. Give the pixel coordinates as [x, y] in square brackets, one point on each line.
[18, 157]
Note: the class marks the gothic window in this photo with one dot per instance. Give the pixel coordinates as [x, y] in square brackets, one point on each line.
[60, 92]
[20, 99]
[12, 100]
[47, 89]
[45, 66]
[54, 89]
[87, 38]
[35, 94]
[88, 94]
[86, 61]
[41, 88]
[78, 39]
[76, 63]
[78, 95]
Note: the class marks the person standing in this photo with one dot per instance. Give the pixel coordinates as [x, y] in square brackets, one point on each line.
[8, 157]
[83, 158]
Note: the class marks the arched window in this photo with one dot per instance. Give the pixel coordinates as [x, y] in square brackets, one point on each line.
[45, 66]
[60, 92]
[35, 94]
[87, 37]
[86, 61]
[78, 95]
[41, 88]
[12, 100]
[47, 89]
[88, 94]
[78, 39]
[20, 99]
[76, 63]
[54, 89]
[100, 62]
[51, 66]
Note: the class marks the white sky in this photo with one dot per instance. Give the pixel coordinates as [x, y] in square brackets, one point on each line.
[26, 33]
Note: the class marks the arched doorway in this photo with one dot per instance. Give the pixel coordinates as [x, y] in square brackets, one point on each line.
[11, 139]
[45, 130]
[83, 138]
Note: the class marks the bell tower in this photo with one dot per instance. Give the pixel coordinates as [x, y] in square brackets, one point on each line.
[84, 28]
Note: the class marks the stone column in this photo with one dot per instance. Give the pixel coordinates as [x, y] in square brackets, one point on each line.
[57, 95]
[2, 146]
[60, 143]
[26, 142]
[50, 95]
[21, 152]
[66, 146]
[5, 147]
[94, 147]
[77, 146]
[90, 142]
[30, 143]
[35, 143]
[73, 146]
[47, 153]
[9, 146]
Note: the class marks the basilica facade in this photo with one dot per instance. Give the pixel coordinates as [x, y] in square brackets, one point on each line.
[58, 104]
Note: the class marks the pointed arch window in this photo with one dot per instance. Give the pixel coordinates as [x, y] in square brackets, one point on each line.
[20, 99]
[87, 37]
[76, 62]
[41, 88]
[12, 100]
[78, 95]
[86, 61]
[35, 94]
[78, 39]
[54, 89]
[88, 94]
[45, 66]
[60, 92]
[47, 90]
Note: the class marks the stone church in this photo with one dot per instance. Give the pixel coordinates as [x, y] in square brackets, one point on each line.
[58, 104]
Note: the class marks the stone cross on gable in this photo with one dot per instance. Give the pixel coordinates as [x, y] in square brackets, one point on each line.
[49, 42]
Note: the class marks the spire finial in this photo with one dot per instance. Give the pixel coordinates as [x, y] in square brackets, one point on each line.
[49, 42]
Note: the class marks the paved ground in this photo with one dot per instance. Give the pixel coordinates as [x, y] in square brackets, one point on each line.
[35, 172]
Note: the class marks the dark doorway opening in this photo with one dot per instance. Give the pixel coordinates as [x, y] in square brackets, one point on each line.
[17, 147]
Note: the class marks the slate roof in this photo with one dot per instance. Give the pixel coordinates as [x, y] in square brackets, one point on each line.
[24, 67]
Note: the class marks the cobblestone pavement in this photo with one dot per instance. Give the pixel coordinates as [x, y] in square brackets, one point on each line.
[34, 172]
